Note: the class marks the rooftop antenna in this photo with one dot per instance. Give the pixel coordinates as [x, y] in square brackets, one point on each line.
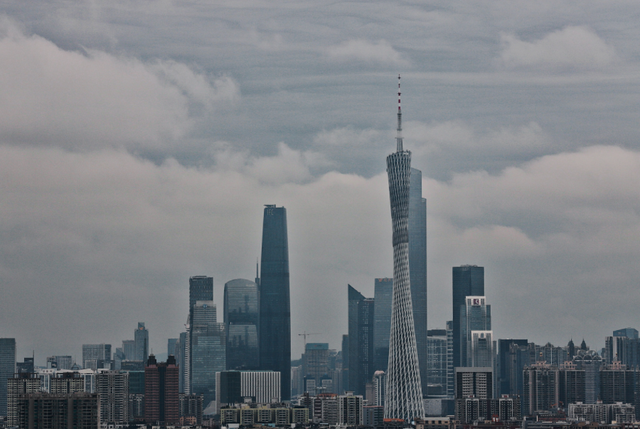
[399, 136]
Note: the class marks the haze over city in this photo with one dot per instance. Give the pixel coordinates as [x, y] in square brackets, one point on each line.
[139, 142]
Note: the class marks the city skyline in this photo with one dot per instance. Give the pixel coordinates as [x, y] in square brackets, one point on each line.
[142, 154]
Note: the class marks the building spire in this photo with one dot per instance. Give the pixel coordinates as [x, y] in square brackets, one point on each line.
[399, 136]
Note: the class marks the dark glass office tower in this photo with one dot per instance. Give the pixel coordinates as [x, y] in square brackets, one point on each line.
[418, 268]
[275, 310]
[200, 289]
[468, 280]
[7, 369]
[361, 315]
[383, 295]
[241, 324]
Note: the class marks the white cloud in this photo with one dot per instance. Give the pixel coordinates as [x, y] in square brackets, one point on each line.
[56, 97]
[573, 47]
[364, 50]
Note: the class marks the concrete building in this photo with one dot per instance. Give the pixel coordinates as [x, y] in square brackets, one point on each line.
[258, 387]
[241, 318]
[113, 393]
[58, 411]
[161, 391]
[18, 385]
[96, 356]
[350, 409]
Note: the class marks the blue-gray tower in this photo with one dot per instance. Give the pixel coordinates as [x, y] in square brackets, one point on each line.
[404, 389]
[468, 280]
[275, 310]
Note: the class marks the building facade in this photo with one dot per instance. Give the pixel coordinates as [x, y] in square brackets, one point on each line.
[275, 308]
[7, 369]
[161, 396]
[241, 318]
[468, 280]
[361, 322]
[383, 297]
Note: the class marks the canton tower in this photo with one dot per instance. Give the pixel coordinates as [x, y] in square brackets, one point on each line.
[403, 391]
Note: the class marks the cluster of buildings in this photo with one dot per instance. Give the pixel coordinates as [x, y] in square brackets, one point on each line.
[390, 369]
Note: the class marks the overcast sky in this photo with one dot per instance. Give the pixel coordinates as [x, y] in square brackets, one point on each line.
[139, 141]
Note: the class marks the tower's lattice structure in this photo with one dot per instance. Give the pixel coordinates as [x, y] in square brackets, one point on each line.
[403, 391]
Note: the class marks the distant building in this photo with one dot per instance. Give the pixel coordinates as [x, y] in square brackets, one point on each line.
[60, 362]
[602, 413]
[25, 367]
[259, 387]
[383, 296]
[200, 289]
[7, 369]
[361, 312]
[58, 411]
[113, 393]
[191, 407]
[437, 361]
[17, 385]
[541, 388]
[505, 409]
[475, 315]
[241, 318]
[468, 280]
[208, 350]
[350, 409]
[66, 382]
[509, 377]
[161, 391]
[96, 356]
[315, 362]
[275, 307]
[480, 351]
[141, 340]
[476, 382]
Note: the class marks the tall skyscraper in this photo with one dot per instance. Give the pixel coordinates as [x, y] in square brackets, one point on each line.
[113, 394]
[161, 391]
[208, 350]
[275, 310]
[7, 369]
[200, 289]
[404, 388]
[418, 268]
[468, 280]
[383, 295]
[141, 338]
[475, 315]
[361, 311]
[241, 324]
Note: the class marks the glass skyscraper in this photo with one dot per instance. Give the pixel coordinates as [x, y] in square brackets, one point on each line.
[200, 289]
[7, 369]
[241, 324]
[418, 268]
[468, 280]
[383, 294]
[208, 354]
[361, 311]
[275, 309]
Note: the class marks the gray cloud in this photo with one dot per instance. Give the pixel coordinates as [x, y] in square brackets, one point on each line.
[139, 140]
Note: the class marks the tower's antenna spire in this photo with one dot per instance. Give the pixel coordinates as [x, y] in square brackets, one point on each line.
[399, 136]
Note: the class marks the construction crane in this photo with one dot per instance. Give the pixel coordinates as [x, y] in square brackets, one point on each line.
[305, 334]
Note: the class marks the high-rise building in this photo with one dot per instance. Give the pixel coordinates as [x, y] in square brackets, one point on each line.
[508, 382]
[129, 349]
[350, 409]
[241, 319]
[200, 289]
[541, 388]
[383, 296]
[17, 385]
[113, 393]
[404, 387]
[450, 368]
[208, 354]
[7, 369]
[477, 382]
[361, 312]
[78, 410]
[60, 362]
[66, 382]
[437, 361]
[141, 339]
[96, 356]
[418, 268]
[468, 280]
[275, 308]
[315, 362]
[260, 387]
[161, 391]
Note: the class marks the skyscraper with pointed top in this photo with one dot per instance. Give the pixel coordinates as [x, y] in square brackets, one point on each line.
[403, 390]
